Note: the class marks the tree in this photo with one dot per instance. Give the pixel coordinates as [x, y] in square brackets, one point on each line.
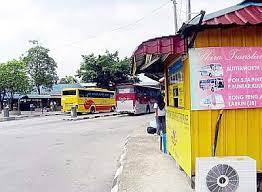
[2, 84]
[68, 80]
[41, 67]
[14, 79]
[105, 69]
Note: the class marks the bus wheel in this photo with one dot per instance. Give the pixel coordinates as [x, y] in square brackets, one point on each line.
[113, 109]
[212, 89]
[148, 109]
[210, 75]
[92, 110]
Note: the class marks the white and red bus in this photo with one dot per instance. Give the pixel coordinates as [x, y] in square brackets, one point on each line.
[135, 98]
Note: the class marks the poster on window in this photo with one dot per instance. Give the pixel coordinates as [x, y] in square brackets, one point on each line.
[226, 78]
[176, 84]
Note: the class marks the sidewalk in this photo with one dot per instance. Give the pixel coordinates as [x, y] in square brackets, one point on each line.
[146, 169]
[28, 114]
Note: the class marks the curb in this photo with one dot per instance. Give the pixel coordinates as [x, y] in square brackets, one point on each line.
[26, 116]
[91, 117]
[7, 119]
[116, 180]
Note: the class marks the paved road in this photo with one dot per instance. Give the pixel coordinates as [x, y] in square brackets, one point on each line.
[47, 154]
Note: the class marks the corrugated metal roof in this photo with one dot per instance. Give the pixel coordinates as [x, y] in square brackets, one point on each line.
[246, 15]
[173, 44]
[247, 12]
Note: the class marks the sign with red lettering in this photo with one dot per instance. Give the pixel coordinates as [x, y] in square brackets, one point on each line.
[226, 77]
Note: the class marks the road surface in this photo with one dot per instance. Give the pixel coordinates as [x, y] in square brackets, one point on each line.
[47, 154]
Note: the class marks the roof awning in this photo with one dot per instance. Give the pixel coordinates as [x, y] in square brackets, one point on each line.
[250, 14]
[173, 44]
[149, 56]
[32, 96]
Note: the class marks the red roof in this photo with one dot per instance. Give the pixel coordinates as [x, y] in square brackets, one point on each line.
[162, 45]
[247, 15]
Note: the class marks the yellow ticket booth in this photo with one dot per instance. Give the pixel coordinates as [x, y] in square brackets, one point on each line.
[213, 82]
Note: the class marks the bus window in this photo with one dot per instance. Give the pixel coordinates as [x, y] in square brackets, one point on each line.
[69, 92]
[89, 94]
[98, 94]
[153, 93]
[101, 95]
[107, 95]
[145, 92]
[83, 93]
[92, 94]
[139, 91]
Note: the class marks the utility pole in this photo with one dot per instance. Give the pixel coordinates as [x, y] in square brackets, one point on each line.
[175, 15]
[188, 10]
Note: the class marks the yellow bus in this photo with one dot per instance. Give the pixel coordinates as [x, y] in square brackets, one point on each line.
[88, 100]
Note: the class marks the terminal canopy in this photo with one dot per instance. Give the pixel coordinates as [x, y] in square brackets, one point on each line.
[149, 56]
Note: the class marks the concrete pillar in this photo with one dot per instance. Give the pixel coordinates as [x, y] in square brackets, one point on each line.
[73, 111]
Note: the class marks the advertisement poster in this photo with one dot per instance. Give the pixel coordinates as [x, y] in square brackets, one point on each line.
[226, 78]
[179, 137]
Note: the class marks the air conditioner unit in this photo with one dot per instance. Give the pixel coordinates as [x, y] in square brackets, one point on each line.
[226, 174]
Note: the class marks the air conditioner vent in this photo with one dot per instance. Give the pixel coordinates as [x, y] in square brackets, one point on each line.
[226, 174]
[222, 177]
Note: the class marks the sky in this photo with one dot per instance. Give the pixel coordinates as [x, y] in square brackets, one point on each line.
[71, 28]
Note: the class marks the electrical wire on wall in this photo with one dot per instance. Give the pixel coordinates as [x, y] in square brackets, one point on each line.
[217, 132]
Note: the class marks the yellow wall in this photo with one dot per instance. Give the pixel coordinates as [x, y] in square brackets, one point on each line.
[179, 137]
[186, 83]
[178, 120]
[241, 130]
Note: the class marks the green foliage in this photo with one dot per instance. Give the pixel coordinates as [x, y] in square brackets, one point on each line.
[13, 79]
[17, 80]
[41, 67]
[105, 70]
[68, 80]
[2, 84]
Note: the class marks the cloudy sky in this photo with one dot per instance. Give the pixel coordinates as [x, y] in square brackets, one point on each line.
[70, 28]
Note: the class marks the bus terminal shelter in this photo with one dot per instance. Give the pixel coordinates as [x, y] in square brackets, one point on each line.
[213, 84]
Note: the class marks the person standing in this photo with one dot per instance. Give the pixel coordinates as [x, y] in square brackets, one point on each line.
[52, 106]
[160, 112]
